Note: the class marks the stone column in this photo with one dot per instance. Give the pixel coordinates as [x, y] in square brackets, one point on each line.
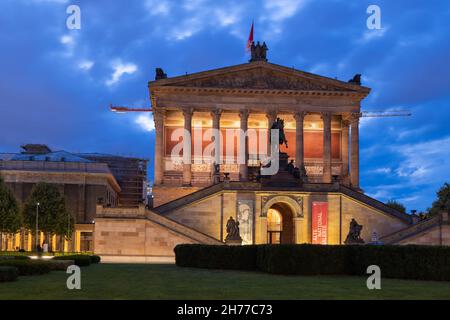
[326, 116]
[215, 114]
[271, 117]
[187, 147]
[354, 159]
[345, 149]
[243, 167]
[217, 159]
[299, 149]
[158, 118]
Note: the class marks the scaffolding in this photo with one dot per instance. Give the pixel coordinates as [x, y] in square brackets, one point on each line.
[131, 175]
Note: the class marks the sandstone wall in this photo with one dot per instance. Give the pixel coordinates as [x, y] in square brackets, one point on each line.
[371, 219]
[163, 195]
[135, 237]
[438, 235]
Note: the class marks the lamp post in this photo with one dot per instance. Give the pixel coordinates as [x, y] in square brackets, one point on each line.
[37, 226]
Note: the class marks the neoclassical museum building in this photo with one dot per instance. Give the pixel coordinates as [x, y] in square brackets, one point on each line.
[312, 200]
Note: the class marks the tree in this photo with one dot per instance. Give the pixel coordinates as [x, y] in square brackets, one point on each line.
[396, 205]
[54, 218]
[10, 215]
[442, 203]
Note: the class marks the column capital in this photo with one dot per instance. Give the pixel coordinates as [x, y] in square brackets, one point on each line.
[159, 114]
[326, 116]
[300, 115]
[345, 123]
[216, 113]
[244, 113]
[187, 111]
[271, 114]
[354, 117]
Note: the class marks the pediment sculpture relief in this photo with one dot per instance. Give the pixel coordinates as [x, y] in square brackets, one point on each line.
[260, 79]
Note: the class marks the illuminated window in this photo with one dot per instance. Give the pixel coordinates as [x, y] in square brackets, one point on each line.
[274, 226]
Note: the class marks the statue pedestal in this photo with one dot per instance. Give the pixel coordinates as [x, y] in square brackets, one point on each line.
[234, 242]
[283, 177]
[283, 161]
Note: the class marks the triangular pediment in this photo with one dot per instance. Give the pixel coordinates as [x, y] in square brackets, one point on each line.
[260, 75]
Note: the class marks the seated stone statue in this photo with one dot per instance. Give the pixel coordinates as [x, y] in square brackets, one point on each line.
[354, 235]
[233, 230]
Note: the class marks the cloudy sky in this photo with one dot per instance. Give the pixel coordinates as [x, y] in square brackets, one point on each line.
[56, 83]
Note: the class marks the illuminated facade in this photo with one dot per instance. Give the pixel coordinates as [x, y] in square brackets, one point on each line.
[193, 200]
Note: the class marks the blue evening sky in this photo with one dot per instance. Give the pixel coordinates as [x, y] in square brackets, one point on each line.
[56, 84]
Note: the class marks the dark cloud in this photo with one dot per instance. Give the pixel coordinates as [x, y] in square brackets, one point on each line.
[47, 98]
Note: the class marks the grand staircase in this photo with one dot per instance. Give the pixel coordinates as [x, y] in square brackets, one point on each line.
[159, 219]
[412, 230]
[255, 186]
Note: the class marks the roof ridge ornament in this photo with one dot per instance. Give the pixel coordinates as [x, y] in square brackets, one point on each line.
[159, 74]
[356, 79]
[258, 52]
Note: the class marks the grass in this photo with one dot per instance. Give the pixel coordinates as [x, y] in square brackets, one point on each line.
[127, 281]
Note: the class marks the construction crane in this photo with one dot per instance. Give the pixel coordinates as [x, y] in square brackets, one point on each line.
[120, 109]
[365, 114]
[385, 114]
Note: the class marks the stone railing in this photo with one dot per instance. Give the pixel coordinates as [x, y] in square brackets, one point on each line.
[192, 197]
[374, 203]
[412, 230]
[182, 229]
[120, 212]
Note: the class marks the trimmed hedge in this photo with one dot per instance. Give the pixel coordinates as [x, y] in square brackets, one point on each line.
[28, 267]
[23, 253]
[216, 257]
[8, 273]
[95, 259]
[60, 265]
[402, 262]
[79, 260]
[11, 257]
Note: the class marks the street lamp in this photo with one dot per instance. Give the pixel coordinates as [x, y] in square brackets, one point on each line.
[37, 226]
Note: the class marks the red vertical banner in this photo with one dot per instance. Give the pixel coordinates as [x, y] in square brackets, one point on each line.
[319, 222]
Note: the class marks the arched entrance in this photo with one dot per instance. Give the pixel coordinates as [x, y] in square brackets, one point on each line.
[280, 224]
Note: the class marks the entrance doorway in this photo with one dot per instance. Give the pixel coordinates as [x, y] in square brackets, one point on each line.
[280, 224]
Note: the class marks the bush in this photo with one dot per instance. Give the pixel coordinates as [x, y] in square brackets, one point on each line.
[8, 274]
[95, 259]
[302, 259]
[402, 262]
[79, 260]
[28, 267]
[216, 257]
[11, 257]
[60, 265]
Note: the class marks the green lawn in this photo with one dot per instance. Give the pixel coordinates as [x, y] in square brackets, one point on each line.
[112, 281]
